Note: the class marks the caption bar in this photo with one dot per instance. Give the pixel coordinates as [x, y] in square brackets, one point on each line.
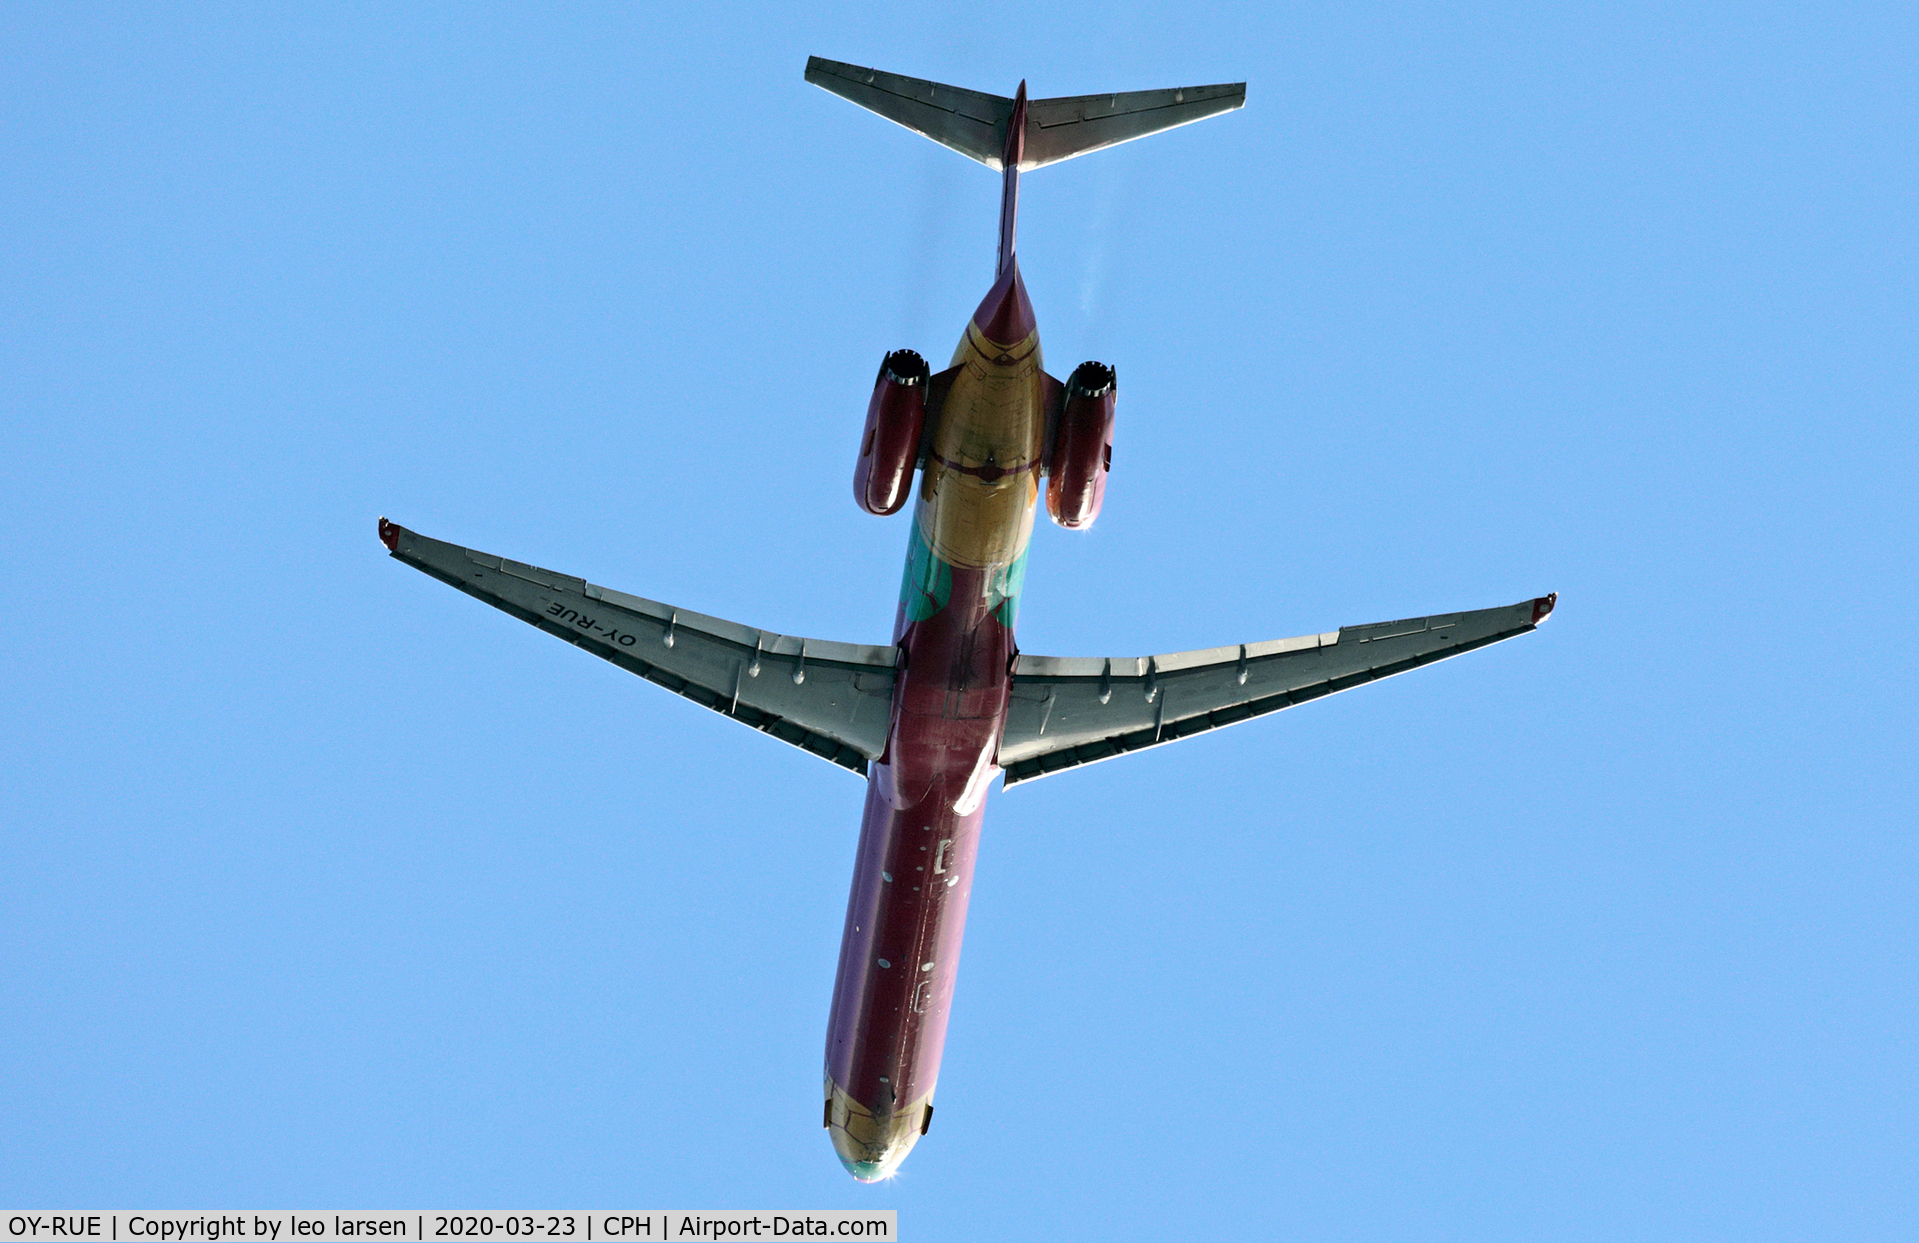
[179, 1226]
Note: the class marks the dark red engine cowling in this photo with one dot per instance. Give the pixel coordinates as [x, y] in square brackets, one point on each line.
[1082, 447]
[890, 446]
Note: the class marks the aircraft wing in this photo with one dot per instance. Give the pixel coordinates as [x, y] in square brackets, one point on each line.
[832, 699]
[1071, 711]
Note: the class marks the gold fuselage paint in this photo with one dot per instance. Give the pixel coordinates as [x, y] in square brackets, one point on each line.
[880, 1140]
[982, 478]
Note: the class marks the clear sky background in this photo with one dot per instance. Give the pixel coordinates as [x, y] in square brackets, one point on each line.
[323, 885]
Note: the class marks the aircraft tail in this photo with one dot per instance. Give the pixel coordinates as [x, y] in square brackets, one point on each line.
[1015, 135]
[976, 124]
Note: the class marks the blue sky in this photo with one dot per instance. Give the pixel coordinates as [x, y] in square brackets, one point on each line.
[322, 885]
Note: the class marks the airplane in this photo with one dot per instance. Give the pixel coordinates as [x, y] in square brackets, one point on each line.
[930, 719]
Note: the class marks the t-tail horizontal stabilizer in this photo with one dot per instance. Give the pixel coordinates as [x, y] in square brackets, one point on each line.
[832, 699]
[1068, 712]
[974, 124]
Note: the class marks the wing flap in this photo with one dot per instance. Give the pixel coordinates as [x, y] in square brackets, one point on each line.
[1066, 712]
[831, 699]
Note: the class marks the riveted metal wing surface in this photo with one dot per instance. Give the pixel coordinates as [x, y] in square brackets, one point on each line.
[831, 699]
[1078, 710]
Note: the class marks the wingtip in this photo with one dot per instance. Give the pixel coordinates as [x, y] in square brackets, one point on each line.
[389, 535]
[1543, 606]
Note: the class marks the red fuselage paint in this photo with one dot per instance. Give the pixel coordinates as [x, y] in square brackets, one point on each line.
[899, 956]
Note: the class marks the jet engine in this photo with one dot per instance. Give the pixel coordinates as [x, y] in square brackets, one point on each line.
[1082, 447]
[890, 446]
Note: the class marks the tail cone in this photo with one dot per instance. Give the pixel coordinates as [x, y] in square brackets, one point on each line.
[1005, 315]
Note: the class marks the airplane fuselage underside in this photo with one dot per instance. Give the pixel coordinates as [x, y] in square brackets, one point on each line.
[926, 794]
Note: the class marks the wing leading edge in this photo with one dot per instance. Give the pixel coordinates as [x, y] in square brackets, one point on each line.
[830, 699]
[1071, 711]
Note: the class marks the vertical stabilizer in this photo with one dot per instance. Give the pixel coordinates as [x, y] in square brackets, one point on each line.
[1009, 186]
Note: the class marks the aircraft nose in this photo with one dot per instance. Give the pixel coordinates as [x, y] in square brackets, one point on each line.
[865, 1171]
[870, 1160]
[871, 1145]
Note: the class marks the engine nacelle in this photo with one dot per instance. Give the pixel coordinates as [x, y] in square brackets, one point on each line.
[890, 446]
[1082, 447]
